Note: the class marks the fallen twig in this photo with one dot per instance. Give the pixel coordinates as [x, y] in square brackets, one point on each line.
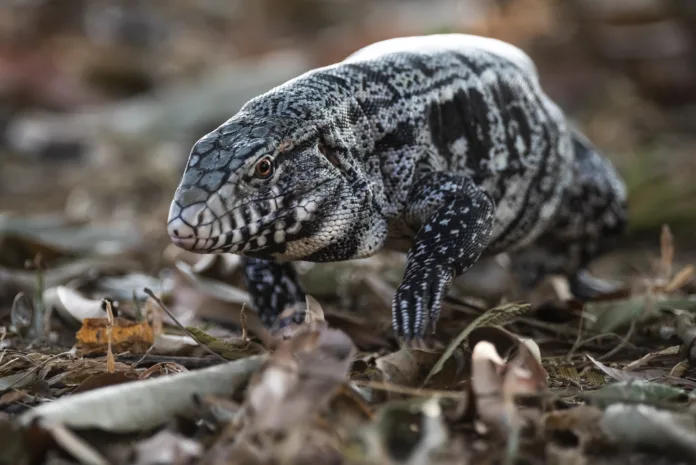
[188, 333]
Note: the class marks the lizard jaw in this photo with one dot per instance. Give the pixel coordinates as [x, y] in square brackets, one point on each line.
[201, 223]
[268, 233]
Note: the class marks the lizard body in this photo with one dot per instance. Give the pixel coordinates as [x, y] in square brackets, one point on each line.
[443, 146]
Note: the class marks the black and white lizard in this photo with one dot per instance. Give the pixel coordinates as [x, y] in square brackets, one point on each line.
[442, 146]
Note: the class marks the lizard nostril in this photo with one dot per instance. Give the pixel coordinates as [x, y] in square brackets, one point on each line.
[177, 234]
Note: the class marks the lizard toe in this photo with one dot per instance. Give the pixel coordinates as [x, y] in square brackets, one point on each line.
[416, 305]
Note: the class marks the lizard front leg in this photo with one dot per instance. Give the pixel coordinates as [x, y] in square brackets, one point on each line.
[273, 288]
[455, 221]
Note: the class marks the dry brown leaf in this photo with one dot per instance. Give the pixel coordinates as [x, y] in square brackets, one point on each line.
[19, 380]
[561, 287]
[173, 344]
[100, 380]
[530, 375]
[505, 342]
[680, 279]
[580, 423]
[493, 317]
[496, 383]
[314, 312]
[110, 362]
[407, 367]
[10, 397]
[622, 375]
[487, 384]
[75, 372]
[154, 315]
[350, 407]
[135, 337]
[299, 379]
[404, 366]
[673, 350]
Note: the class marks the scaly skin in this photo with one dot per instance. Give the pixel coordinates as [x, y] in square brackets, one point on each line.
[445, 147]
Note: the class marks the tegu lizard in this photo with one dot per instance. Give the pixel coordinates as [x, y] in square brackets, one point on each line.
[444, 147]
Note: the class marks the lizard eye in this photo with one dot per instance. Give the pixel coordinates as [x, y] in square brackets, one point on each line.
[264, 168]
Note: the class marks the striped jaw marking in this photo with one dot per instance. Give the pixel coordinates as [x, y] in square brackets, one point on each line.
[207, 227]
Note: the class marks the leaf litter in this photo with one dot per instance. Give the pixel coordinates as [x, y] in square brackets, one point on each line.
[197, 387]
[187, 374]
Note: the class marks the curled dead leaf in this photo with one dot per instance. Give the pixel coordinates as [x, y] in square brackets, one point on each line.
[492, 317]
[299, 379]
[72, 305]
[505, 342]
[575, 427]
[496, 383]
[624, 375]
[314, 312]
[406, 367]
[136, 337]
[21, 314]
[173, 344]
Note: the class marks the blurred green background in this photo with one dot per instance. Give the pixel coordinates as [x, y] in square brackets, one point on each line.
[101, 100]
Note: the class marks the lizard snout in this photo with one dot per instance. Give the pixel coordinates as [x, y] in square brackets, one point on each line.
[185, 217]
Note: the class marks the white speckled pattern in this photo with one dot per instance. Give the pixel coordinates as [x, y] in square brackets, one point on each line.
[443, 146]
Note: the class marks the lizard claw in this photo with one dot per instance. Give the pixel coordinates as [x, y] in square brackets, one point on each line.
[417, 302]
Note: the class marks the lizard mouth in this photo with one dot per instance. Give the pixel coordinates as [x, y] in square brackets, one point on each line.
[260, 225]
[267, 232]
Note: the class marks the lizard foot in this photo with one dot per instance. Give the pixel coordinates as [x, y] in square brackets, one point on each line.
[274, 290]
[417, 302]
[454, 218]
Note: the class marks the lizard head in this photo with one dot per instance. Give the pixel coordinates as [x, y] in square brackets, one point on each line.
[266, 188]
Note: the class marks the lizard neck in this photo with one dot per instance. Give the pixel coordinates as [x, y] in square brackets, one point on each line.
[352, 217]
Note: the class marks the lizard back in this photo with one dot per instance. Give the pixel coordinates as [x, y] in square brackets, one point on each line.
[391, 113]
[466, 104]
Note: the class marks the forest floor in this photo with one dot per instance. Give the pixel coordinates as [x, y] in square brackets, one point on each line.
[118, 348]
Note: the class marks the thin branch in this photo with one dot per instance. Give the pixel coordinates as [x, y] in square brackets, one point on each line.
[188, 333]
